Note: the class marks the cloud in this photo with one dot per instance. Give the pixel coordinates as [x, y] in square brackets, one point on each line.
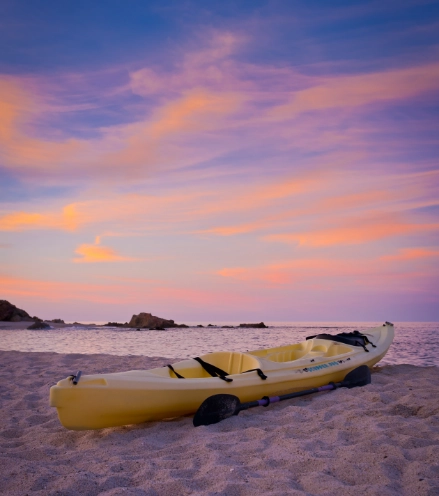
[360, 230]
[357, 90]
[67, 220]
[128, 292]
[207, 106]
[57, 291]
[271, 275]
[354, 273]
[406, 254]
[97, 253]
[211, 67]
[315, 209]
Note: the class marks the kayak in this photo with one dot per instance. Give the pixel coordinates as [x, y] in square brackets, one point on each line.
[109, 400]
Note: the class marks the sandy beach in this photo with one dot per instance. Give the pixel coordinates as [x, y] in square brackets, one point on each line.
[382, 439]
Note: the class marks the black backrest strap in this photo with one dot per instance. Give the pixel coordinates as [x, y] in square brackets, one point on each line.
[175, 372]
[259, 371]
[213, 370]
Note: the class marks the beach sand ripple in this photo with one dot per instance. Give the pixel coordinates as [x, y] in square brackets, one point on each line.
[382, 439]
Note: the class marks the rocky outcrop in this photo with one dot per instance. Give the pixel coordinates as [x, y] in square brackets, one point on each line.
[261, 325]
[10, 313]
[148, 321]
[38, 325]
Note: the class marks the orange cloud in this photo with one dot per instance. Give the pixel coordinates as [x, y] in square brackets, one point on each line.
[21, 221]
[97, 253]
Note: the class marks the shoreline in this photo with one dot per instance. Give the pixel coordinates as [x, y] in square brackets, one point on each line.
[24, 324]
[382, 439]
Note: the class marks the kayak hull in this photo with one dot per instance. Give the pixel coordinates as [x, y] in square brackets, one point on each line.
[110, 400]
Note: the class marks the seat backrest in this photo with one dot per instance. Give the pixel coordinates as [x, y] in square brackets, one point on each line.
[232, 362]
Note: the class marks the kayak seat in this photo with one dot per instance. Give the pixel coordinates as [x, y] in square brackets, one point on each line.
[319, 348]
[287, 355]
[337, 349]
[229, 361]
[232, 362]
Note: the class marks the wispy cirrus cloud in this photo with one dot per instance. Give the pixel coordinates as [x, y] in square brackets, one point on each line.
[121, 292]
[328, 273]
[345, 92]
[313, 209]
[405, 254]
[208, 106]
[359, 230]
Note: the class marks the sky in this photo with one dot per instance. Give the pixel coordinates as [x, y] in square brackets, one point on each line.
[220, 161]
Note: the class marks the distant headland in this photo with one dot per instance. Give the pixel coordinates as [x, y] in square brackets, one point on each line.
[141, 321]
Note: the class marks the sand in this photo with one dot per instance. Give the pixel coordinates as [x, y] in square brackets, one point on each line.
[382, 439]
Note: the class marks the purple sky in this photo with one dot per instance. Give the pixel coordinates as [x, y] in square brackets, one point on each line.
[244, 161]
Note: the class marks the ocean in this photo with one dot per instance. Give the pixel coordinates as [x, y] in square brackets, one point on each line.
[415, 343]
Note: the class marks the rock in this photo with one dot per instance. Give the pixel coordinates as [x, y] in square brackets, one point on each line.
[10, 313]
[38, 325]
[199, 325]
[227, 327]
[57, 321]
[149, 321]
[260, 325]
[157, 328]
[115, 324]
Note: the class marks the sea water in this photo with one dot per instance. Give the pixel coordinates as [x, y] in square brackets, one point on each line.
[415, 343]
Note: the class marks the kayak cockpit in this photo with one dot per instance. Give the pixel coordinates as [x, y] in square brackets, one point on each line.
[307, 349]
[231, 362]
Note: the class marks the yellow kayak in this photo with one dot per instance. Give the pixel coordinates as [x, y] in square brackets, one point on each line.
[109, 400]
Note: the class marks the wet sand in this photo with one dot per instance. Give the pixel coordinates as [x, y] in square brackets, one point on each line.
[382, 439]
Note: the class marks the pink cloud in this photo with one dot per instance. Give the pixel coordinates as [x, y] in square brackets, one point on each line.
[357, 90]
[355, 231]
[133, 295]
[330, 274]
[406, 254]
[212, 105]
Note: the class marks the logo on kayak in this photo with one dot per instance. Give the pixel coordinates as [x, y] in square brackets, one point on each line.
[323, 366]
